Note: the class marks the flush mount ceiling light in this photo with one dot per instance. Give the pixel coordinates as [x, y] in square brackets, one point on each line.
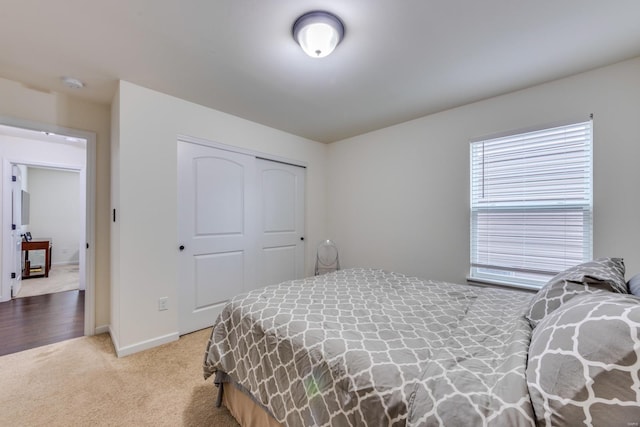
[318, 33]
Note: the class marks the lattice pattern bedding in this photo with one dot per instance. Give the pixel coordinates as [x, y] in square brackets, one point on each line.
[373, 348]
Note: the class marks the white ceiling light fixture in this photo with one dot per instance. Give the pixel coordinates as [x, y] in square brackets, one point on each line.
[318, 33]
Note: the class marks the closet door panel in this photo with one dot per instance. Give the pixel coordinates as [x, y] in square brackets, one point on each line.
[216, 229]
[281, 228]
[219, 202]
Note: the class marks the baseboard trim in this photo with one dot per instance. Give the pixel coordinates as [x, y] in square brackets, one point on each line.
[102, 329]
[114, 340]
[143, 345]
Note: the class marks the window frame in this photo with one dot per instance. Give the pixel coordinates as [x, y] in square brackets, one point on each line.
[519, 279]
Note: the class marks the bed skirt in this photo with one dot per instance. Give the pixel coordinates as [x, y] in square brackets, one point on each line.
[246, 412]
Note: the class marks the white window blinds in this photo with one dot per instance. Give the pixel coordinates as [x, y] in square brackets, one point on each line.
[531, 204]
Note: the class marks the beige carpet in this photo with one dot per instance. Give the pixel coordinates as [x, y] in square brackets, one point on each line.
[61, 278]
[81, 382]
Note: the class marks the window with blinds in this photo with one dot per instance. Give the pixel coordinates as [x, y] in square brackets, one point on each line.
[531, 204]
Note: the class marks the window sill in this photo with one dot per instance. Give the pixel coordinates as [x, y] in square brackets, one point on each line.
[501, 285]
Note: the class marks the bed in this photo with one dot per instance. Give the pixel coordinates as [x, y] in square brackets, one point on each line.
[367, 347]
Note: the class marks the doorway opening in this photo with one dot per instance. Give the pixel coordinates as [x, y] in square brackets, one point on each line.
[47, 215]
[53, 160]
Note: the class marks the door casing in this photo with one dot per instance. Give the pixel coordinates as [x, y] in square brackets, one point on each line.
[88, 188]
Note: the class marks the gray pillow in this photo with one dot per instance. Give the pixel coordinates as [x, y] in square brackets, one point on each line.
[600, 274]
[633, 285]
[583, 363]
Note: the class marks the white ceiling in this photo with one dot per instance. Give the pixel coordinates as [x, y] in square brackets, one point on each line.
[400, 59]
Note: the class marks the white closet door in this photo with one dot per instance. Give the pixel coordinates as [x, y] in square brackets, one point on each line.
[281, 244]
[216, 229]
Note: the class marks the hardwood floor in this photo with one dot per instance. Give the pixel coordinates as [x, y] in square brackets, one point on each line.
[39, 320]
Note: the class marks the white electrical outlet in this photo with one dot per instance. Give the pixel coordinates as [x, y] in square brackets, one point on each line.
[162, 303]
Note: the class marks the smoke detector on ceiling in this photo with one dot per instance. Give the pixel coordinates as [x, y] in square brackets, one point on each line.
[72, 83]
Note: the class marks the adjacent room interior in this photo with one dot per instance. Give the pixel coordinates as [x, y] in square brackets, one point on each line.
[55, 213]
[46, 218]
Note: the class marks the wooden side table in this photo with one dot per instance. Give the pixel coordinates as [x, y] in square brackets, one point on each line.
[37, 245]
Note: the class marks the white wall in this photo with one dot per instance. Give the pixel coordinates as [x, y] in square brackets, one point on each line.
[145, 194]
[55, 212]
[398, 198]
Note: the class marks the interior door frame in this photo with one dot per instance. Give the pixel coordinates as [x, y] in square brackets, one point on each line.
[16, 238]
[87, 187]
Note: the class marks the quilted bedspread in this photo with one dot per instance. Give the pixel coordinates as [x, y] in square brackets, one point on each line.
[365, 347]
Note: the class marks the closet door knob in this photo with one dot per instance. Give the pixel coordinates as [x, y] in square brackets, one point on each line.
[181, 247]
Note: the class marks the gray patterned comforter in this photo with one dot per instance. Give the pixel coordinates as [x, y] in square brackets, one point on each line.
[366, 347]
